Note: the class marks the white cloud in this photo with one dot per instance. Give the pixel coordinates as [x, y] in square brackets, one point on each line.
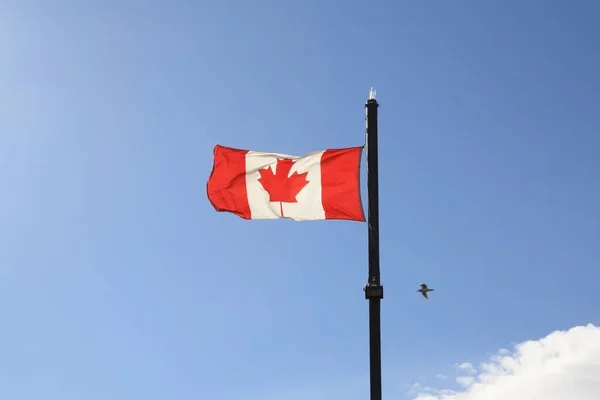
[440, 376]
[468, 368]
[427, 392]
[564, 365]
[503, 352]
[465, 381]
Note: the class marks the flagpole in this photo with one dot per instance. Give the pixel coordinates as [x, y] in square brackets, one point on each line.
[373, 289]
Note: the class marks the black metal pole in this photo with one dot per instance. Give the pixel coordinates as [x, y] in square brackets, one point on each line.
[373, 290]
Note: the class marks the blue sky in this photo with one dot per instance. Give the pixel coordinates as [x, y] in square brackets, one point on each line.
[119, 281]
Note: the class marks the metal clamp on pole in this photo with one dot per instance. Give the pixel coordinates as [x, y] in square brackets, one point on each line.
[373, 292]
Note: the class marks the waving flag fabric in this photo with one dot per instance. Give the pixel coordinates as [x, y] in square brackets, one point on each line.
[258, 185]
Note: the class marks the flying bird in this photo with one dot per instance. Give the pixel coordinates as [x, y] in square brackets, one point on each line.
[424, 289]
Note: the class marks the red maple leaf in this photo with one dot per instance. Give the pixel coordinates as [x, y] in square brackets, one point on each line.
[279, 185]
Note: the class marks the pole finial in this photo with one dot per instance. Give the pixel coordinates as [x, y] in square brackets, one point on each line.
[372, 93]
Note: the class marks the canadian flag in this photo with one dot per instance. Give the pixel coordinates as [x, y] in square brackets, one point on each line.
[258, 185]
